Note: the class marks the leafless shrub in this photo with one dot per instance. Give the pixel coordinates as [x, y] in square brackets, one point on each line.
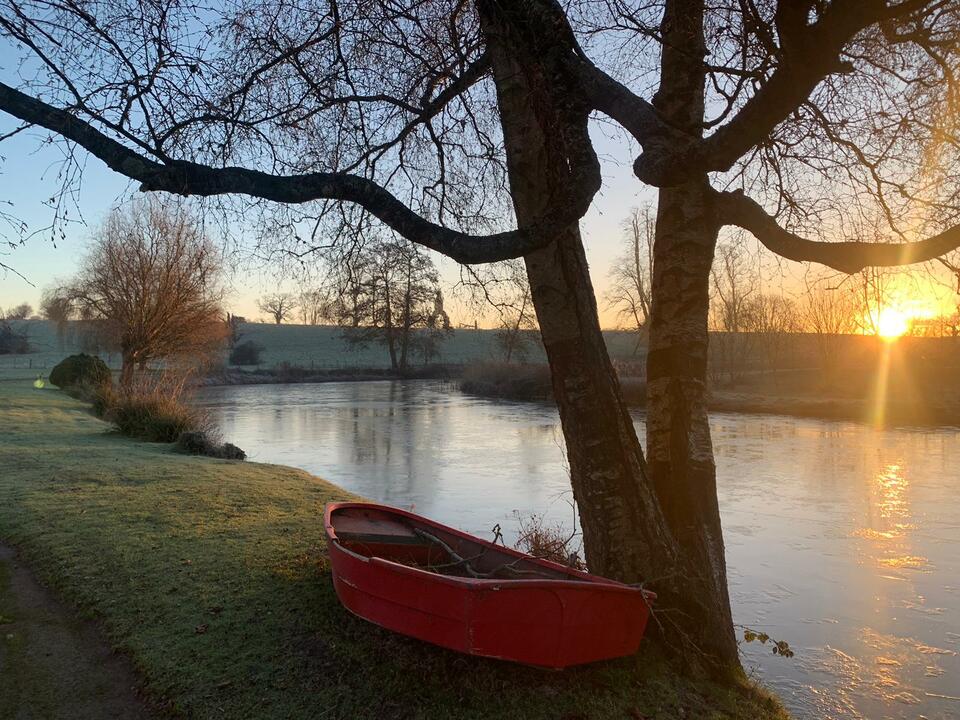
[550, 542]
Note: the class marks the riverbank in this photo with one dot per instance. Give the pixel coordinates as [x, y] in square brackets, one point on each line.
[288, 374]
[211, 577]
[901, 400]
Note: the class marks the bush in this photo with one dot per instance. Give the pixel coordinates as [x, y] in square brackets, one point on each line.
[551, 542]
[80, 370]
[101, 397]
[246, 353]
[153, 417]
[513, 382]
[201, 443]
[12, 341]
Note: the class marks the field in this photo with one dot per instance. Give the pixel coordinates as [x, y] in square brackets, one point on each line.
[317, 347]
[212, 577]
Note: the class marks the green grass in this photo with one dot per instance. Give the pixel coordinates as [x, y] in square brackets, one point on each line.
[212, 576]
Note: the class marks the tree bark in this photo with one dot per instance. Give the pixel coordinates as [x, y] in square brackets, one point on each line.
[679, 447]
[127, 368]
[626, 535]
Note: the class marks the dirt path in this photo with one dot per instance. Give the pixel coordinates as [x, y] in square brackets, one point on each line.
[53, 665]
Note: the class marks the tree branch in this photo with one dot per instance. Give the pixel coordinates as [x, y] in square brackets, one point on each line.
[188, 178]
[808, 54]
[851, 256]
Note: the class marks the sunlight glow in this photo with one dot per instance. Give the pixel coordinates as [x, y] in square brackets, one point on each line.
[892, 323]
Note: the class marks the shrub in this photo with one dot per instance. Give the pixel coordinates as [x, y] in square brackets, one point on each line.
[550, 542]
[83, 370]
[12, 341]
[202, 443]
[246, 353]
[502, 380]
[152, 417]
[101, 397]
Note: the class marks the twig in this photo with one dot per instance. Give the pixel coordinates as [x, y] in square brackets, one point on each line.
[459, 560]
[465, 563]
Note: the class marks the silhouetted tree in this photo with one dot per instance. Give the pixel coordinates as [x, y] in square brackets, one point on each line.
[315, 306]
[20, 312]
[279, 306]
[630, 292]
[517, 316]
[395, 283]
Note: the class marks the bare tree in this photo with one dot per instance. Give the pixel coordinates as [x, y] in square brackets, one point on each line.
[13, 341]
[279, 306]
[828, 313]
[734, 284]
[393, 289]
[871, 294]
[20, 312]
[781, 118]
[630, 292]
[152, 281]
[55, 307]
[773, 318]
[315, 306]
[508, 293]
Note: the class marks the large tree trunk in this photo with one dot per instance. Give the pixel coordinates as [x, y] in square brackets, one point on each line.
[679, 449]
[626, 536]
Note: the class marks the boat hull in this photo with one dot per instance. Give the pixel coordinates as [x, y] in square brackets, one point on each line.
[552, 623]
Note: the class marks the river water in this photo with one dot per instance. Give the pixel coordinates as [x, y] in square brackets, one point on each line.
[842, 539]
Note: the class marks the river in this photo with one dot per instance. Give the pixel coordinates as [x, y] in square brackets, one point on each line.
[842, 540]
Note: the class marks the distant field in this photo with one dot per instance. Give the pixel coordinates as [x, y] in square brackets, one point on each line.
[310, 346]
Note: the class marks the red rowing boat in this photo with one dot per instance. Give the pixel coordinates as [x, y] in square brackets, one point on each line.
[422, 579]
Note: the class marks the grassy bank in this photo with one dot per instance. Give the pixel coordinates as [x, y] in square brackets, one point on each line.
[212, 576]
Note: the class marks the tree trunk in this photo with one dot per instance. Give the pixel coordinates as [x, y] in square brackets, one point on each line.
[679, 448]
[626, 536]
[127, 367]
[405, 336]
[391, 340]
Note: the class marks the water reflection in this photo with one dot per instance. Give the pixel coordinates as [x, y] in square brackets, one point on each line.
[841, 539]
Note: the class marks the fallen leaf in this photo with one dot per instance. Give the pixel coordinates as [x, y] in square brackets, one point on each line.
[200, 629]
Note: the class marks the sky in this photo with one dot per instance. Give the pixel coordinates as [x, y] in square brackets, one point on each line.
[28, 178]
[29, 165]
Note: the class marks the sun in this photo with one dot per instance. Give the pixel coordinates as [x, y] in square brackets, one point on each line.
[892, 323]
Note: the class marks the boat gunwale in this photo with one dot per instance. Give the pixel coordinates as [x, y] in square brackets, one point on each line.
[579, 580]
